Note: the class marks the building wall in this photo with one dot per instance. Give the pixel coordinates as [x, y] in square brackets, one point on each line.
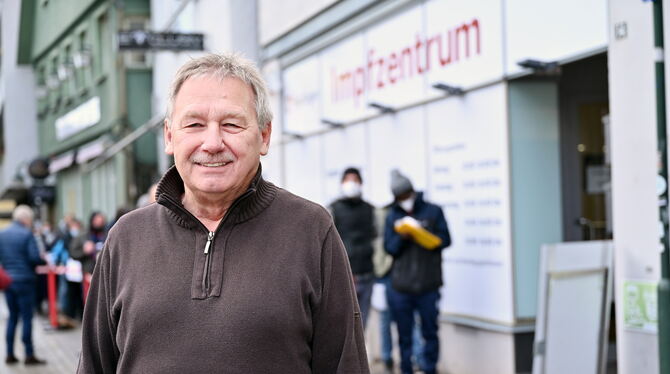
[277, 17]
[634, 169]
[18, 99]
[92, 32]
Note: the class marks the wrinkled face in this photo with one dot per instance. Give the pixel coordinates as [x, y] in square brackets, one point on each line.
[214, 136]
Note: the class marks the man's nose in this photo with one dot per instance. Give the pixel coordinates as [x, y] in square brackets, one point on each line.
[213, 141]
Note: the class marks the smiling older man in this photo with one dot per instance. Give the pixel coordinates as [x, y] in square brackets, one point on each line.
[227, 273]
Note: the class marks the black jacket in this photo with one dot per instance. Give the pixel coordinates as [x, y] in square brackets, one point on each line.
[355, 221]
[415, 269]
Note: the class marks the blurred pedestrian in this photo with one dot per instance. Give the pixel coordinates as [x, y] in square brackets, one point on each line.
[355, 221]
[416, 276]
[227, 272]
[19, 257]
[87, 246]
[70, 290]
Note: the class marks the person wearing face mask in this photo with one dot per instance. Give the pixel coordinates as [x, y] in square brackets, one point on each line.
[355, 221]
[87, 246]
[416, 275]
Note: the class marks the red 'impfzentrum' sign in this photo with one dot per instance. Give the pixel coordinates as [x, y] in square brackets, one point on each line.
[382, 70]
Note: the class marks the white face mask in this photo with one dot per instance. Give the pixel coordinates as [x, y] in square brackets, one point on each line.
[407, 205]
[351, 189]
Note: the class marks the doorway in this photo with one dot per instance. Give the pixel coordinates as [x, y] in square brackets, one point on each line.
[585, 166]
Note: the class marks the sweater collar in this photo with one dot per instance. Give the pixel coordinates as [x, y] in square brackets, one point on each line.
[258, 196]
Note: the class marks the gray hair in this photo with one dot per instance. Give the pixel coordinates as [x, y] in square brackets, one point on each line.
[22, 213]
[222, 66]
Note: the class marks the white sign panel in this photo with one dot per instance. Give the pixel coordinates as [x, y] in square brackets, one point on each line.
[469, 168]
[79, 118]
[302, 160]
[395, 62]
[343, 80]
[553, 30]
[463, 42]
[301, 97]
[395, 65]
[397, 142]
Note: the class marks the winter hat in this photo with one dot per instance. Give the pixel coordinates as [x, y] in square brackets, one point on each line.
[400, 184]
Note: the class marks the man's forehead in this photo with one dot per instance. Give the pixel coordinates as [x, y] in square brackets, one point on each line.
[201, 111]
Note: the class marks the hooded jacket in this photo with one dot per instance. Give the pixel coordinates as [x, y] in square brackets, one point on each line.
[270, 291]
[415, 269]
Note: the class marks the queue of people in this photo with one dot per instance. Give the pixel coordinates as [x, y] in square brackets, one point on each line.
[413, 281]
[30, 249]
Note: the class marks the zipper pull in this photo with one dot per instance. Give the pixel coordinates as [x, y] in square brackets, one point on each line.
[210, 236]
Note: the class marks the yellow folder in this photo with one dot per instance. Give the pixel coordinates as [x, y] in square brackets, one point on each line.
[410, 226]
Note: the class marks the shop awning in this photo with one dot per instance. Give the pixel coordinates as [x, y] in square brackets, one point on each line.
[127, 140]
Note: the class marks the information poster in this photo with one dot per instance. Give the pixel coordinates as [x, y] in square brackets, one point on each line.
[640, 306]
[469, 177]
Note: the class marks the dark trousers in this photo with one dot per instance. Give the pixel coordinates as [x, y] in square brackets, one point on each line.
[20, 302]
[74, 307]
[403, 306]
[364, 283]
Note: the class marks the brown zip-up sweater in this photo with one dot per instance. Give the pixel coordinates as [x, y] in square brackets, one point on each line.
[269, 292]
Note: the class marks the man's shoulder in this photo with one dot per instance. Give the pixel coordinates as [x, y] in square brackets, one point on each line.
[137, 219]
[297, 206]
[15, 230]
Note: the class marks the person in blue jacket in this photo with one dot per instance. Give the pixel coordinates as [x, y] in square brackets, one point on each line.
[19, 256]
[416, 276]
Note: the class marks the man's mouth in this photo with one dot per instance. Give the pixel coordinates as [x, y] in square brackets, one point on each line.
[213, 164]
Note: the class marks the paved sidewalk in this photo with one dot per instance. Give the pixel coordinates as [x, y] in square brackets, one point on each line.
[60, 348]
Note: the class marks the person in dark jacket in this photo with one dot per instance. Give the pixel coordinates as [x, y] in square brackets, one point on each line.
[19, 256]
[416, 276]
[355, 221]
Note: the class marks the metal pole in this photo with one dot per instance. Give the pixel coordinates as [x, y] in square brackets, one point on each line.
[664, 283]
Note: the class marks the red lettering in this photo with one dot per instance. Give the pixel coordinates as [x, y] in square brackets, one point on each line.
[380, 73]
[417, 53]
[444, 46]
[430, 42]
[393, 64]
[371, 63]
[406, 56]
[405, 62]
[465, 30]
[359, 82]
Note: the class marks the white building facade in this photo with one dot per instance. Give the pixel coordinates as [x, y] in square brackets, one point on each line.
[498, 111]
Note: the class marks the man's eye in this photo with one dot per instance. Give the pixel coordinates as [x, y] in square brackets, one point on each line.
[232, 125]
[193, 125]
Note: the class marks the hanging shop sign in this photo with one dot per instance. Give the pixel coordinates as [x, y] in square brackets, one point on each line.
[144, 40]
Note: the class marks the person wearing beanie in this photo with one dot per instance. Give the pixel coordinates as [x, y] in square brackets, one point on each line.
[416, 276]
[355, 222]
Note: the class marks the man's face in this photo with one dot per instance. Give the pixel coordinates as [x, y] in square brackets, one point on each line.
[214, 136]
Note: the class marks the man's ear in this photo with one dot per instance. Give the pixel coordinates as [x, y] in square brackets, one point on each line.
[167, 137]
[265, 138]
